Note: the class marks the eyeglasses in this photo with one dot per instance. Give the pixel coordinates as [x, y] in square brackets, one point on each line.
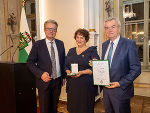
[51, 29]
[112, 27]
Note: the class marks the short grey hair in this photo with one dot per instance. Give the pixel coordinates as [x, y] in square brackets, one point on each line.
[50, 21]
[114, 18]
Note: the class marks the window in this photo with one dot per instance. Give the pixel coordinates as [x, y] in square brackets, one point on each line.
[31, 17]
[136, 26]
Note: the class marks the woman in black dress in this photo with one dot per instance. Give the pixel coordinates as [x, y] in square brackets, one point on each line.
[80, 89]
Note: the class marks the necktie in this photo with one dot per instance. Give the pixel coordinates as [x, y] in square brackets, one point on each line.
[53, 61]
[110, 52]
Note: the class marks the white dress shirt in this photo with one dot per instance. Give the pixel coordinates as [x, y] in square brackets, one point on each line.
[114, 48]
[56, 55]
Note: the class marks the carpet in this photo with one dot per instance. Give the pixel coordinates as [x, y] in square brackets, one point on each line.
[38, 110]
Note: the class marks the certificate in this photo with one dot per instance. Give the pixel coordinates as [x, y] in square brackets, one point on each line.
[101, 73]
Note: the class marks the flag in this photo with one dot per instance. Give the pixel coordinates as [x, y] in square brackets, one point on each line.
[25, 43]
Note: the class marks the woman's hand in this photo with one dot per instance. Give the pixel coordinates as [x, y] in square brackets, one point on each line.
[77, 75]
[68, 72]
[90, 62]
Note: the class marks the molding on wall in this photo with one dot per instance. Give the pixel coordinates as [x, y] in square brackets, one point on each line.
[141, 85]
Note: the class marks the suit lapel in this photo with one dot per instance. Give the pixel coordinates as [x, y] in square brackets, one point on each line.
[46, 50]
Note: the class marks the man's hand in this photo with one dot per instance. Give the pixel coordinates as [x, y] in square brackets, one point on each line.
[45, 77]
[113, 85]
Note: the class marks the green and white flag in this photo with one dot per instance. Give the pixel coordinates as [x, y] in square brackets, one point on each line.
[25, 44]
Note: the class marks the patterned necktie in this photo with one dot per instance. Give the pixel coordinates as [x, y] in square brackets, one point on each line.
[53, 61]
[110, 52]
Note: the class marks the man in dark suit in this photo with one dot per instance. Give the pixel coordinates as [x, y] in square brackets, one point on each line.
[46, 61]
[125, 67]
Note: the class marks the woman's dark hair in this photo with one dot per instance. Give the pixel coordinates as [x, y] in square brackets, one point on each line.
[83, 32]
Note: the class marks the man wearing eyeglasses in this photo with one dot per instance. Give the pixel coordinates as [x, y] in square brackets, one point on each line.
[46, 61]
[125, 67]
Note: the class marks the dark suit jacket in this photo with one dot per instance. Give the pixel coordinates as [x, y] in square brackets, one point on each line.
[39, 61]
[125, 67]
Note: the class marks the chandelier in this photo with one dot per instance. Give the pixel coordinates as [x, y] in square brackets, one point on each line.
[128, 12]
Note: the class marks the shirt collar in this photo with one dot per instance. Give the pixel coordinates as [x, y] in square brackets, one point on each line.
[48, 41]
[116, 40]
